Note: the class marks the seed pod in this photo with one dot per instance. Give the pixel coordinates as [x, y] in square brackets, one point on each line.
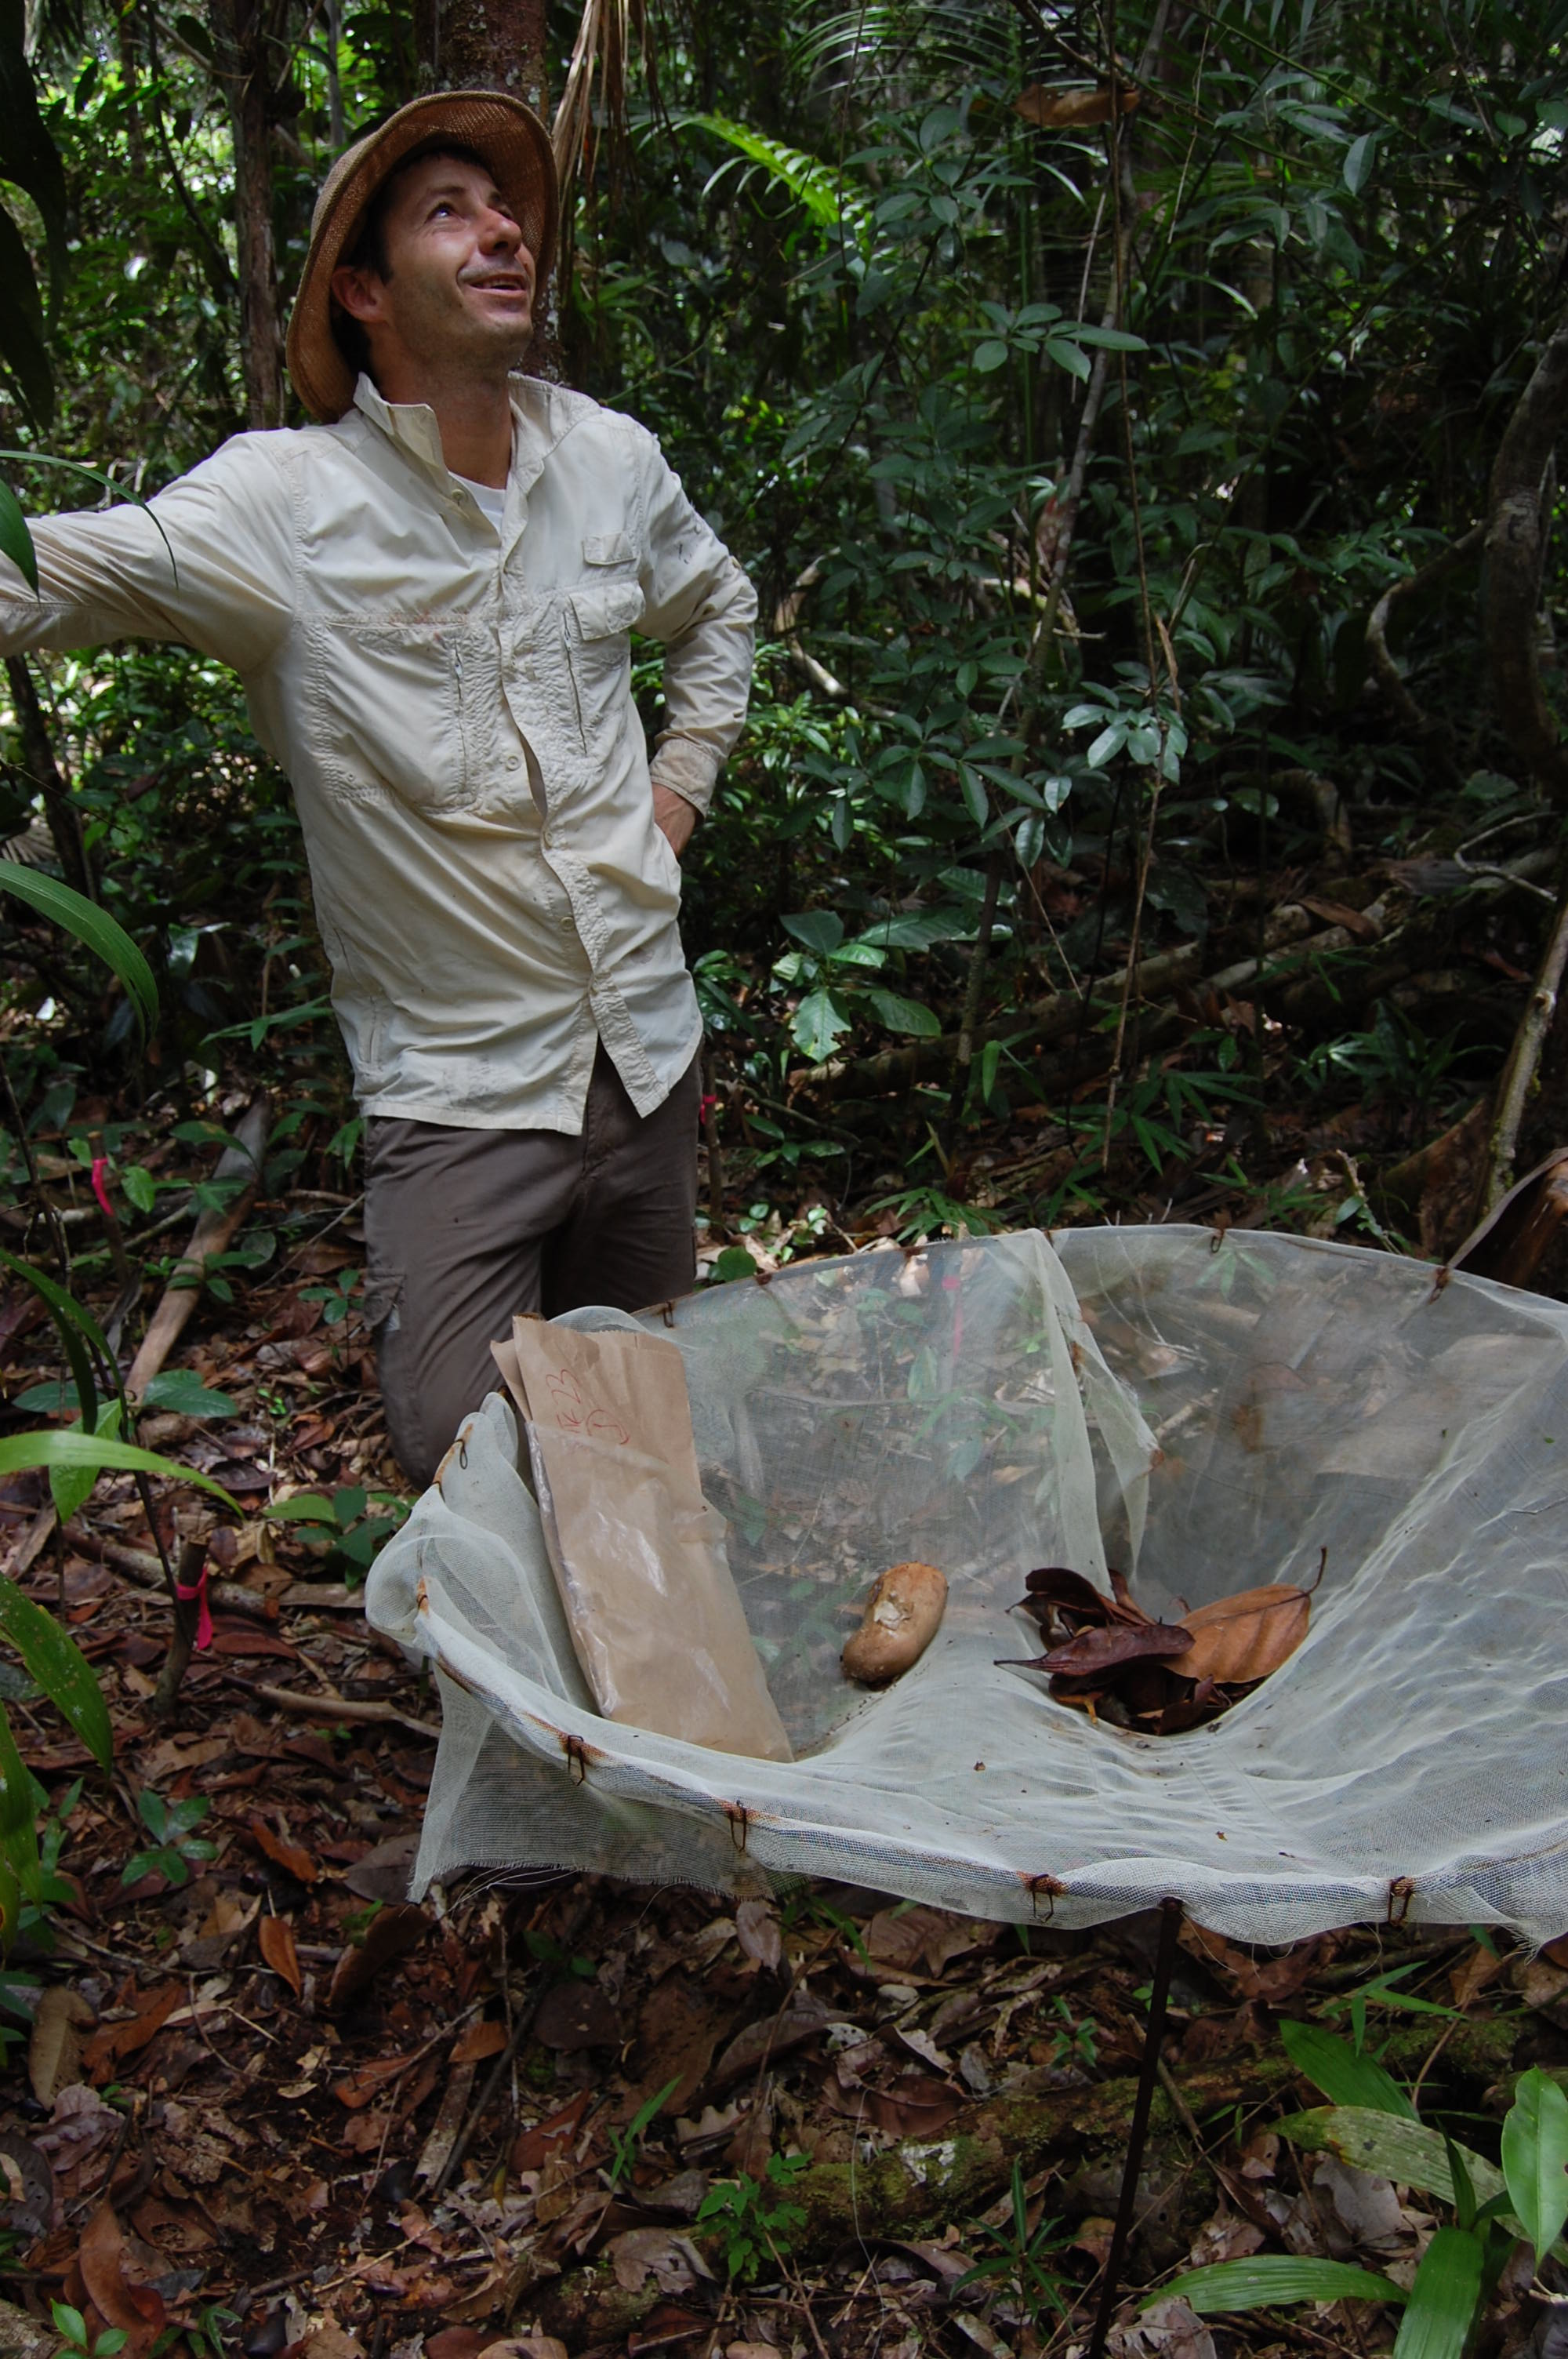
[899, 1621]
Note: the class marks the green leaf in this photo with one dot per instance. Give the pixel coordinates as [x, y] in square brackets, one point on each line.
[1444, 2299]
[1344, 2077]
[1535, 2159]
[59, 1666]
[1271, 2280]
[990, 355]
[18, 1831]
[901, 1014]
[15, 541]
[1359, 158]
[1111, 340]
[79, 1331]
[140, 1187]
[1395, 2146]
[821, 930]
[817, 1026]
[733, 1263]
[181, 1391]
[93, 928]
[71, 1487]
[1071, 357]
[305, 1507]
[71, 1447]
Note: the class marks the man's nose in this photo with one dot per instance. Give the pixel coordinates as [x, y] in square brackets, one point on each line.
[501, 234]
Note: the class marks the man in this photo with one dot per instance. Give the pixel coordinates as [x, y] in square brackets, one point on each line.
[427, 595]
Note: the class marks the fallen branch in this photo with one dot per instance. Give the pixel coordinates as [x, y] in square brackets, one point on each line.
[212, 1234]
[336, 1707]
[146, 1569]
[1040, 1021]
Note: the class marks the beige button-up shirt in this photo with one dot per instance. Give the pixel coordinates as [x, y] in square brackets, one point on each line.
[454, 710]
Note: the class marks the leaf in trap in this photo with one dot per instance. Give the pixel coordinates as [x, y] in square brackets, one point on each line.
[1240, 1640]
[1102, 1650]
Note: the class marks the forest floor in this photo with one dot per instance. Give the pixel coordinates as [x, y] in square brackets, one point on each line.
[263, 2106]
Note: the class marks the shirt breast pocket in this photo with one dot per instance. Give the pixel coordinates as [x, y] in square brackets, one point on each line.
[599, 650]
[390, 710]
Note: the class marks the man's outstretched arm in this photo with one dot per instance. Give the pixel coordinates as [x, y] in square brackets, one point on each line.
[701, 605]
[209, 562]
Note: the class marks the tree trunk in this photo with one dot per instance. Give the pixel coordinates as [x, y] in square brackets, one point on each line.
[482, 45]
[1516, 534]
[240, 39]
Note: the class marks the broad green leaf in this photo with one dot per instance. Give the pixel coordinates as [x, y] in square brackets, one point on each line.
[69, 1446]
[1108, 742]
[1394, 2145]
[817, 1026]
[1444, 2299]
[140, 1187]
[15, 541]
[78, 1330]
[305, 1507]
[59, 1666]
[182, 1391]
[901, 1014]
[1344, 2077]
[990, 355]
[1360, 158]
[71, 1487]
[1535, 2159]
[1270, 2281]
[821, 930]
[93, 928]
[1111, 340]
[1072, 357]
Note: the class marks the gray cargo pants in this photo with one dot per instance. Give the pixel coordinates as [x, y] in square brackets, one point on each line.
[465, 1227]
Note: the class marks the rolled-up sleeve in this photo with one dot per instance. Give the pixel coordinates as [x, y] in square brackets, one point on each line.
[210, 562]
[700, 603]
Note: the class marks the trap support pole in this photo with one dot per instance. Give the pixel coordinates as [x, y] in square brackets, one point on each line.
[1138, 2132]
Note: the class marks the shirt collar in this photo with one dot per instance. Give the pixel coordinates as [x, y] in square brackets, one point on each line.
[537, 426]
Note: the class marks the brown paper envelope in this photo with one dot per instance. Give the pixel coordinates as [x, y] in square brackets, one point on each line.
[637, 1552]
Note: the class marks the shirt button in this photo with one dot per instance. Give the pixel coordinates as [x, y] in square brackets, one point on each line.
[514, 761]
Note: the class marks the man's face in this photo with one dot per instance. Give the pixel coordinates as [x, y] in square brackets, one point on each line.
[458, 294]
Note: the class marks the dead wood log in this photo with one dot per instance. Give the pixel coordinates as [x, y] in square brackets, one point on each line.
[917, 2188]
[146, 1569]
[211, 1234]
[895, 1072]
[1516, 539]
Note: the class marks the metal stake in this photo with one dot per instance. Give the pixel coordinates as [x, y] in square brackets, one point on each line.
[1165, 1961]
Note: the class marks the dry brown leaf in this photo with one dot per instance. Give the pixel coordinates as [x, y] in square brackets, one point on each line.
[291, 1857]
[1473, 1974]
[54, 2051]
[915, 2107]
[478, 2040]
[1239, 1639]
[115, 2041]
[1057, 110]
[757, 1931]
[576, 2015]
[274, 1938]
[360, 2086]
[119, 2296]
[390, 1935]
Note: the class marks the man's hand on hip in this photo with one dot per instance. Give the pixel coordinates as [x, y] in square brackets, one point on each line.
[675, 816]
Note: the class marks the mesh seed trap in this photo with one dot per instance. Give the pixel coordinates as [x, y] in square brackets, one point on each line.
[1210, 1415]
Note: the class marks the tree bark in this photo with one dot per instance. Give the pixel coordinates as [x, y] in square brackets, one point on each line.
[1516, 539]
[243, 52]
[482, 45]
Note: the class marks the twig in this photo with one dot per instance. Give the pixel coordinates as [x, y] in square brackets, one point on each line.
[336, 1707]
[210, 1235]
[1428, 732]
[1518, 1073]
[520, 2030]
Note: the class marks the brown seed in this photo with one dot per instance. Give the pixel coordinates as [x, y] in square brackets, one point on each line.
[899, 1620]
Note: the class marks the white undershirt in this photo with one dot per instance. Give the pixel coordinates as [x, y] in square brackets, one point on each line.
[492, 497]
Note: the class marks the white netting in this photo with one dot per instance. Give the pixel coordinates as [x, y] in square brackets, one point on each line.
[982, 1405]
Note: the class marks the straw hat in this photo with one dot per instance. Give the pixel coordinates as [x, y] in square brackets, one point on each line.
[512, 142]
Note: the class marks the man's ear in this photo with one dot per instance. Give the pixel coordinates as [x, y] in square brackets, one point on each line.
[357, 292]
